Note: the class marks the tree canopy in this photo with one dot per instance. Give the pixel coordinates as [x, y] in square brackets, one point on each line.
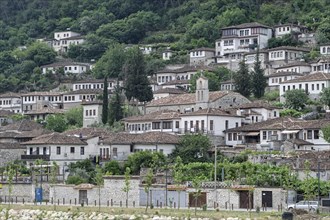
[296, 99]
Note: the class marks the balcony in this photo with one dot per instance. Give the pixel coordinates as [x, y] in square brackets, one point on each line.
[35, 157]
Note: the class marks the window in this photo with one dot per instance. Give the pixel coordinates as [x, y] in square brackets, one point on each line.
[94, 112]
[202, 125]
[309, 134]
[191, 124]
[167, 125]
[177, 124]
[226, 124]
[155, 125]
[230, 136]
[275, 114]
[72, 150]
[235, 136]
[264, 135]
[185, 125]
[211, 125]
[58, 150]
[312, 86]
[115, 152]
[316, 134]
[86, 113]
[317, 86]
[236, 124]
[82, 150]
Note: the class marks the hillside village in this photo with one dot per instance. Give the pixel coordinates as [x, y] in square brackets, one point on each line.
[234, 124]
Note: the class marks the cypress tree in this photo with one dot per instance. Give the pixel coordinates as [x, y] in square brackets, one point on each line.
[258, 79]
[242, 79]
[116, 111]
[105, 108]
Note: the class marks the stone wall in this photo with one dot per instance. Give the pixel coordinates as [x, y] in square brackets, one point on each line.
[21, 191]
[9, 155]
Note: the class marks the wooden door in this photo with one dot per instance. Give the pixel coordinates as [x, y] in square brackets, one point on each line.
[245, 199]
[201, 200]
[82, 196]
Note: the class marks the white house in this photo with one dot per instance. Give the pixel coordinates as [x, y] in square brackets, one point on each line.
[280, 56]
[273, 134]
[276, 78]
[92, 113]
[40, 100]
[64, 39]
[312, 84]
[177, 84]
[95, 84]
[73, 99]
[284, 29]
[202, 56]
[321, 65]
[121, 145]
[243, 38]
[227, 85]
[57, 147]
[251, 58]
[167, 54]
[325, 49]
[11, 102]
[67, 66]
[298, 67]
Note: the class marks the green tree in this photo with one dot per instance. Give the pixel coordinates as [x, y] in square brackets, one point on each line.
[214, 80]
[56, 122]
[192, 148]
[144, 159]
[112, 168]
[116, 110]
[325, 97]
[242, 79]
[296, 99]
[99, 182]
[136, 83]
[148, 180]
[111, 63]
[53, 174]
[291, 113]
[10, 175]
[127, 186]
[258, 79]
[326, 133]
[105, 106]
[74, 117]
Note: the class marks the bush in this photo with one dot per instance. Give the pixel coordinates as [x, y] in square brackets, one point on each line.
[76, 180]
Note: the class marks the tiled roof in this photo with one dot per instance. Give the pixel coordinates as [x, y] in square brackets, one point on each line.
[246, 25]
[310, 77]
[257, 104]
[212, 111]
[186, 68]
[11, 146]
[6, 113]
[56, 138]
[144, 138]
[87, 133]
[23, 125]
[203, 49]
[10, 95]
[65, 63]
[290, 48]
[299, 142]
[45, 93]
[154, 116]
[32, 134]
[85, 91]
[276, 123]
[45, 111]
[170, 91]
[187, 98]
[176, 82]
[285, 73]
[293, 64]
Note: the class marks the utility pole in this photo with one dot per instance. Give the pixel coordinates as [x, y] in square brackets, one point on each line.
[215, 173]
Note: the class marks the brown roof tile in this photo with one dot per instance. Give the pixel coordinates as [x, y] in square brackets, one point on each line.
[299, 63]
[213, 111]
[10, 95]
[6, 113]
[186, 68]
[56, 138]
[285, 73]
[170, 91]
[257, 104]
[23, 125]
[45, 111]
[87, 133]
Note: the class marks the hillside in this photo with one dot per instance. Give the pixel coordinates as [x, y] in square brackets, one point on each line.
[182, 24]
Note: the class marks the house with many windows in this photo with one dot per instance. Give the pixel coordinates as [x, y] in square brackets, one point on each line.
[201, 56]
[74, 99]
[11, 102]
[276, 78]
[39, 100]
[67, 67]
[292, 29]
[95, 84]
[321, 65]
[280, 56]
[325, 49]
[92, 113]
[64, 39]
[312, 84]
[298, 67]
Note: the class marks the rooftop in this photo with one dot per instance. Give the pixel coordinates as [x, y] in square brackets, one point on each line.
[285, 73]
[185, 68]
[54, 139]
[246, 25]
[144, 138]
[170, 91]
[154, 116]
[310, 77]
[290, 48]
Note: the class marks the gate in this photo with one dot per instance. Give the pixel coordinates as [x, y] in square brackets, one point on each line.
[267, 199]
[201, 200]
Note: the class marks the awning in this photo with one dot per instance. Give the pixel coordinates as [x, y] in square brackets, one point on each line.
[290, 131]
[252, 134]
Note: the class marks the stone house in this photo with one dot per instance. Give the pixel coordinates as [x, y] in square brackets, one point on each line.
[165, 92]
[92, 113]
[39, 100]
[41, 114]
[10, 152]
[321, 65]
[176, 84]
[280, 56]
[5, 117]
[75, 98]
[201, 56]
[227, 85]
[202, 99]
[67, 66]
[312, 84]
[298, 67]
